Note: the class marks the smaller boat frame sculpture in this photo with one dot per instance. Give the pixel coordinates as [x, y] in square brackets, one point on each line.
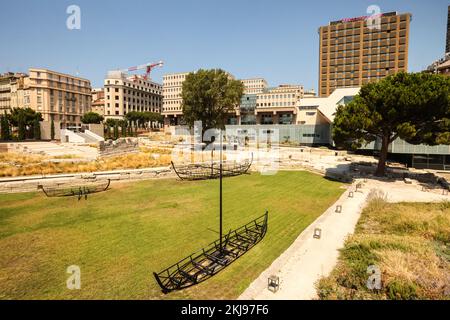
[207, 262]
[204, 171]
[79, 190]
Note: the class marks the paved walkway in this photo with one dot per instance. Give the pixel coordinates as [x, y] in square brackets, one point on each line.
[53, 149]
[308, 259]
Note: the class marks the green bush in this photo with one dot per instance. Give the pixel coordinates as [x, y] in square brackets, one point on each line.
[400, 290]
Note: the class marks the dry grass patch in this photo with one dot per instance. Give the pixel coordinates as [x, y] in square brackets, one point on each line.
[156, 150]
[13, 165]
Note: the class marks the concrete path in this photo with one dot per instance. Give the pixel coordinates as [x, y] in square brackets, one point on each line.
[53, 149]
[308, 259]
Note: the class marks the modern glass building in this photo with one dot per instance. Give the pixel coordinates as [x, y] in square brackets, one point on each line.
[247, 109]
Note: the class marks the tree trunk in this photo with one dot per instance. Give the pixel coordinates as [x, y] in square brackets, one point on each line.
[381, 169]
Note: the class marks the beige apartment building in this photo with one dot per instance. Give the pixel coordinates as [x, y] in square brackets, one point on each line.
[58, 96]
[98, 101]
[8, 91]
[278, 105]
[254, 85]
[356, 51]
[124, 93]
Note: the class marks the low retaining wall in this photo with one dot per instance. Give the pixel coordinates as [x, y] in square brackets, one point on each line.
[31, 184]
[118, 147]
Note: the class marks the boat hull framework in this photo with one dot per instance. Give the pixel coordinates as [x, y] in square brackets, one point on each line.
[79, 190]
[207, 262]
[204, 171]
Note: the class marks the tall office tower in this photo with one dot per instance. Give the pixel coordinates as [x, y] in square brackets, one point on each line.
[356, 51]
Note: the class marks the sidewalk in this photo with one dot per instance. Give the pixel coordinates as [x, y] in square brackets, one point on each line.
[308, 259]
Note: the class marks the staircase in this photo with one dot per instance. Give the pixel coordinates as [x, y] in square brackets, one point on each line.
[87, 138]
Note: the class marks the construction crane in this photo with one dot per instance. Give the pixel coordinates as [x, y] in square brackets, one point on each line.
[148, 69]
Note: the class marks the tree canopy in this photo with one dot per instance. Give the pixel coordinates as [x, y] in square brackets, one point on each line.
[5, 133]
[27, 122]
[209, 96]
[91, 117]
[27, 115]
[142, 117]
[414, 107]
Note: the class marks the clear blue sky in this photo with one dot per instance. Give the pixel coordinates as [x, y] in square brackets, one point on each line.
[276, 40]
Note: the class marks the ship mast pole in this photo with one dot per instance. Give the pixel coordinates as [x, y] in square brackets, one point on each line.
[220, 189]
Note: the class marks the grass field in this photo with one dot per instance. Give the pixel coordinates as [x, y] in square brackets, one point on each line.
[410, 244]
[119, 237]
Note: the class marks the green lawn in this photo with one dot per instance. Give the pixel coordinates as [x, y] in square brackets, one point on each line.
[119, 237]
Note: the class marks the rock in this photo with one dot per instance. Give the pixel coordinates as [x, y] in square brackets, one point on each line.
[407, 180]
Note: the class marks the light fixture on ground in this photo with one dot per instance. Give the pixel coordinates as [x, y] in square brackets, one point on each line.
[273, 283]
[317, 233]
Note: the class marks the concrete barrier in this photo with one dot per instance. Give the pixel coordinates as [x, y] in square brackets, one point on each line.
[30, 184]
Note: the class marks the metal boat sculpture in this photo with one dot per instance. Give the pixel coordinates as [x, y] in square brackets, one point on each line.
[79, 190]
[207, 262]
[203, 171]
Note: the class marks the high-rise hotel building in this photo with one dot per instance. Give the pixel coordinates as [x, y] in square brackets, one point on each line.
[356, 51]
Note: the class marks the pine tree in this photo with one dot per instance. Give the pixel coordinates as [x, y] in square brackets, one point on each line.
[21, 128]
[414, 107]
[116, 131]
[5, 128]
[36, 129]
[52, 130]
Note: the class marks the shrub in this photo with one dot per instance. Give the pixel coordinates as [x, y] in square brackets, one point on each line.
[401, 290]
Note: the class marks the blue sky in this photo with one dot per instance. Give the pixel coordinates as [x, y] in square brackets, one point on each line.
[276, 40]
